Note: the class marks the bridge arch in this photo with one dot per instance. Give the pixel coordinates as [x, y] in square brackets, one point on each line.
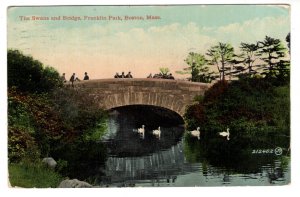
[174, 95]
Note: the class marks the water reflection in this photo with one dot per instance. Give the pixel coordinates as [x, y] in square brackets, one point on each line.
[177, 158]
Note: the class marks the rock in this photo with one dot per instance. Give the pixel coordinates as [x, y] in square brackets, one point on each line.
[50, 162]
[74, 183]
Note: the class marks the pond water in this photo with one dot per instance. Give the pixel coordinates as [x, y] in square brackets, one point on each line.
[179, 159]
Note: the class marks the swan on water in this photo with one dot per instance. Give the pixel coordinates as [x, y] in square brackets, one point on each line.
[196, 133]
[141, 130]
[225, 133]
[157, 132]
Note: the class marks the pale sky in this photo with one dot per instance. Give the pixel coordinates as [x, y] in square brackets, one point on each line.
[104, 47]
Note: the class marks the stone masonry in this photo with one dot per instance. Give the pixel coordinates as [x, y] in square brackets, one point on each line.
[171, 94]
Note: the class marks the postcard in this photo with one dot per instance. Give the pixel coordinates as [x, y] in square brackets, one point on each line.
[148, 95]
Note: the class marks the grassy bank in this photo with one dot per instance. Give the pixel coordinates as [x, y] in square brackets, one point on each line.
[29, 175]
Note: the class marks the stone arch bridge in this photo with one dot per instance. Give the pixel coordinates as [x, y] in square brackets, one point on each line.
[174, 95]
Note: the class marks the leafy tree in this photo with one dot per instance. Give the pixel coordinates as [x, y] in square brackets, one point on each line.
[164, 70]
[272, 53]
[221, 55]
[197, 68]
[30, 75]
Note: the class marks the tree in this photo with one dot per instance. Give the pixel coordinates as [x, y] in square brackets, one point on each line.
[221, 55]
[197, 68]
[164, 71]
[288, 40]
[272, 52]
[247, 58]
[30, 75]
[250, 55]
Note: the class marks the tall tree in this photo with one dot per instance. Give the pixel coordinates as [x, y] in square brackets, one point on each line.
[221, 55]
[272, 52]
[248, 57]
[197, 68]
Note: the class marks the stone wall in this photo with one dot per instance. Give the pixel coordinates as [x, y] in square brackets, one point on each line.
[171, 94]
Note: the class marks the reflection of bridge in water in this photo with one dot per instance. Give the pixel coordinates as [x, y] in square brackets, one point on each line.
[163, 166]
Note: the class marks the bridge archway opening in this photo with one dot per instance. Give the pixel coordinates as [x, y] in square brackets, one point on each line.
[125, 141]
[150, 114]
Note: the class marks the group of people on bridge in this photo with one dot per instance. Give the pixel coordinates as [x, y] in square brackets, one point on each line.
[74, 78]
[123, 75]
[161, 76]
[129, 75]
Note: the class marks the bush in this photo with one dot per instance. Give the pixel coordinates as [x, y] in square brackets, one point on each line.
[21, 144]
[30, 75]
[252, 108]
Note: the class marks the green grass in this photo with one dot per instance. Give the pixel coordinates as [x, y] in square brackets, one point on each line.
[29, 175]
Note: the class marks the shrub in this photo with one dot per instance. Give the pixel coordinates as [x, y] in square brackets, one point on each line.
[30, 75]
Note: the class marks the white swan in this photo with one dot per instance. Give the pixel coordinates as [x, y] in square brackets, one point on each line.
[157, 132]
[196, 133]
[225, 133]
[141, 130]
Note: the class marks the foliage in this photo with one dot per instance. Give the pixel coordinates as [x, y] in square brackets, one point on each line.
[33, 174]
[257, 112]
[288, 40]
[251, 108]
[221, 55]
[249, 56]
[73, 105]
[164, 70]
[30, 75]
[197, 68]
[38, 122]
[272, 53]
[21, 144]
[47, 120]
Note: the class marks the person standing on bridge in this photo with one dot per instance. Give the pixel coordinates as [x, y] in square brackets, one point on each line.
[86, 77]
[72, 79]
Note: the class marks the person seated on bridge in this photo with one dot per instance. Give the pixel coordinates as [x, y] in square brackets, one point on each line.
[63, 78]
[117, 75]
[149, 76]
[86, 77]
[170, 76]
[122, 75]
[158, 76]
[128, 75]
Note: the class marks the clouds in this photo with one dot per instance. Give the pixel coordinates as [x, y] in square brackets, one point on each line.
[104, 48]
[254, 30]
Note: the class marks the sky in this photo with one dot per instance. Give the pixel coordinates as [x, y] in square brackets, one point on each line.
[103, 47]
